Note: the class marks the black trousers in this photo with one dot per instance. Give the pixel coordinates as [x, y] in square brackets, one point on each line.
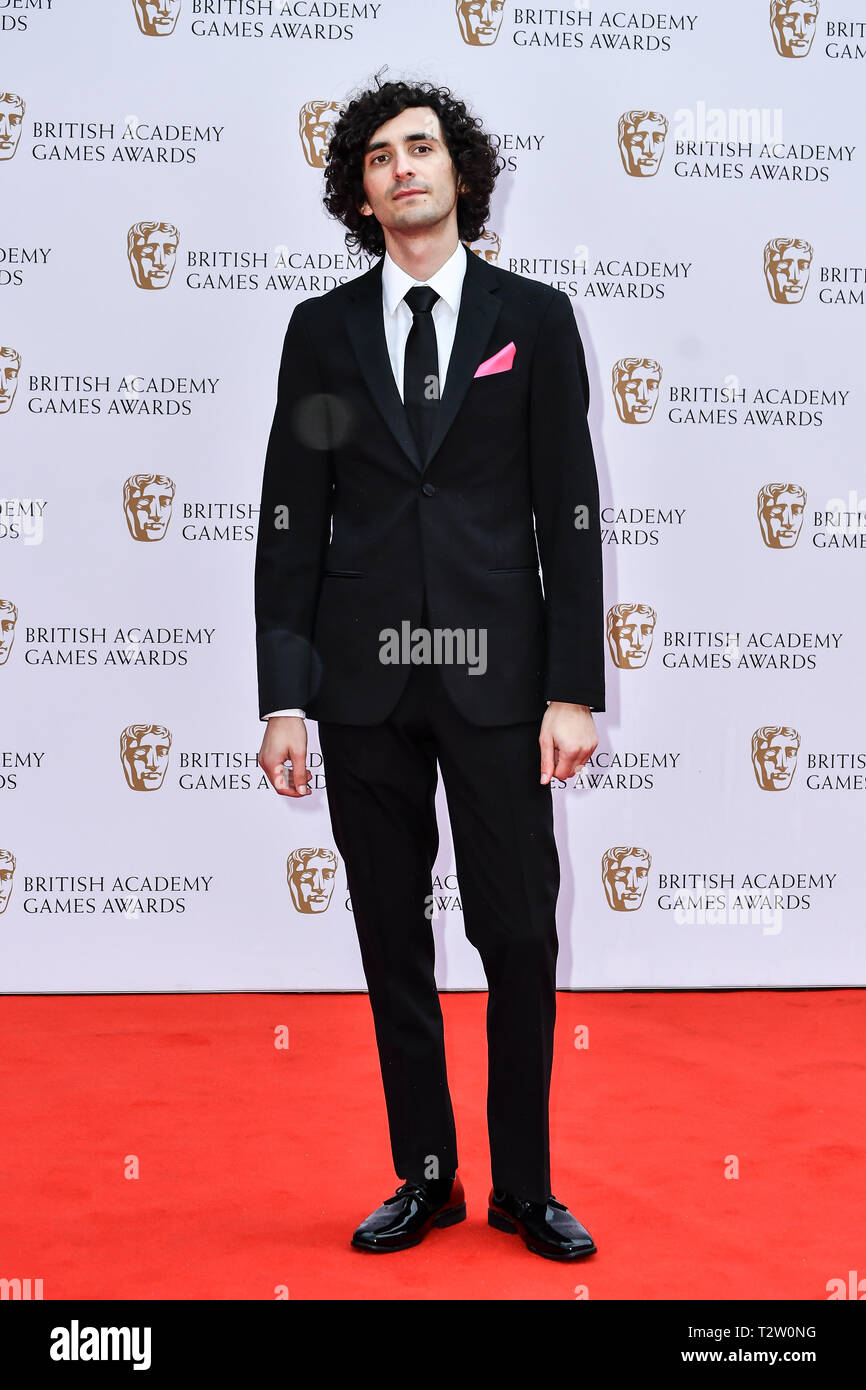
[381, 786]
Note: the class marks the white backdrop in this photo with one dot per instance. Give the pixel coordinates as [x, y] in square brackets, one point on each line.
[686, 861]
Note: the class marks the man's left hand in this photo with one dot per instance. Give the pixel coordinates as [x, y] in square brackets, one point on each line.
[568, 737]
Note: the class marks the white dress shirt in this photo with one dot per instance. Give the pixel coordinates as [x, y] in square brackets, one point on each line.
[447, 281]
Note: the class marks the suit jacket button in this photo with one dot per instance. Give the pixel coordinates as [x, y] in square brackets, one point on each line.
[428, 489]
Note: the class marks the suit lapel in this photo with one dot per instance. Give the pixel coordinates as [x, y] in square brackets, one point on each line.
[480, 306]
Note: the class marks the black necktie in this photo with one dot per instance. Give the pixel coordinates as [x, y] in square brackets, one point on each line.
[421, 366]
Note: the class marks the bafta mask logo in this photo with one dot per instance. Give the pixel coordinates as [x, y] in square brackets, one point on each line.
[630, 628]
[781, 508]
[147, 501]
[7, 870]
[152, 251]
[480, 20]
[311, 874]
[316, 121]
[8, 619]
[10, 366]
[793, 24]
[774, 756]
[11, 120]
[787, 262]
[156, 18]
[490, 252]
[641, 138]
[636, 382]
[625, 874]
[144, 755]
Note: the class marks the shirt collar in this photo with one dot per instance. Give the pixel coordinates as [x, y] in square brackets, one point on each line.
[447, 281]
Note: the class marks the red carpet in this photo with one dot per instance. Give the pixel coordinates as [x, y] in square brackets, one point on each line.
[255, 1164]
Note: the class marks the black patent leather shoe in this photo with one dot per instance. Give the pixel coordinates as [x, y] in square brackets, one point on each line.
[548, 1228]
[404, 1219]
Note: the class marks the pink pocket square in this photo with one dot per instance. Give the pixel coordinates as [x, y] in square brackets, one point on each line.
[500, 362]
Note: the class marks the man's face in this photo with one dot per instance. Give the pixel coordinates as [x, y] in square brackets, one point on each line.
[783, 519]
[11, 117]
[410, 153]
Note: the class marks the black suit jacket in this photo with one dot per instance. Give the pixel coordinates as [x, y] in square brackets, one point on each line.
[355, 526]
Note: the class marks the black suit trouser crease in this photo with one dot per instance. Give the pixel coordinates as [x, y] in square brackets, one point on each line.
[381, 787]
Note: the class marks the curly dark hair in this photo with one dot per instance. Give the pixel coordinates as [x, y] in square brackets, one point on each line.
[472, 152]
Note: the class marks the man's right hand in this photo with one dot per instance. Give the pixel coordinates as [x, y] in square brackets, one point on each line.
[285, 740]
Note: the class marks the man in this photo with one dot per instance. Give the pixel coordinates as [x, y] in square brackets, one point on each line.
[426, 411]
